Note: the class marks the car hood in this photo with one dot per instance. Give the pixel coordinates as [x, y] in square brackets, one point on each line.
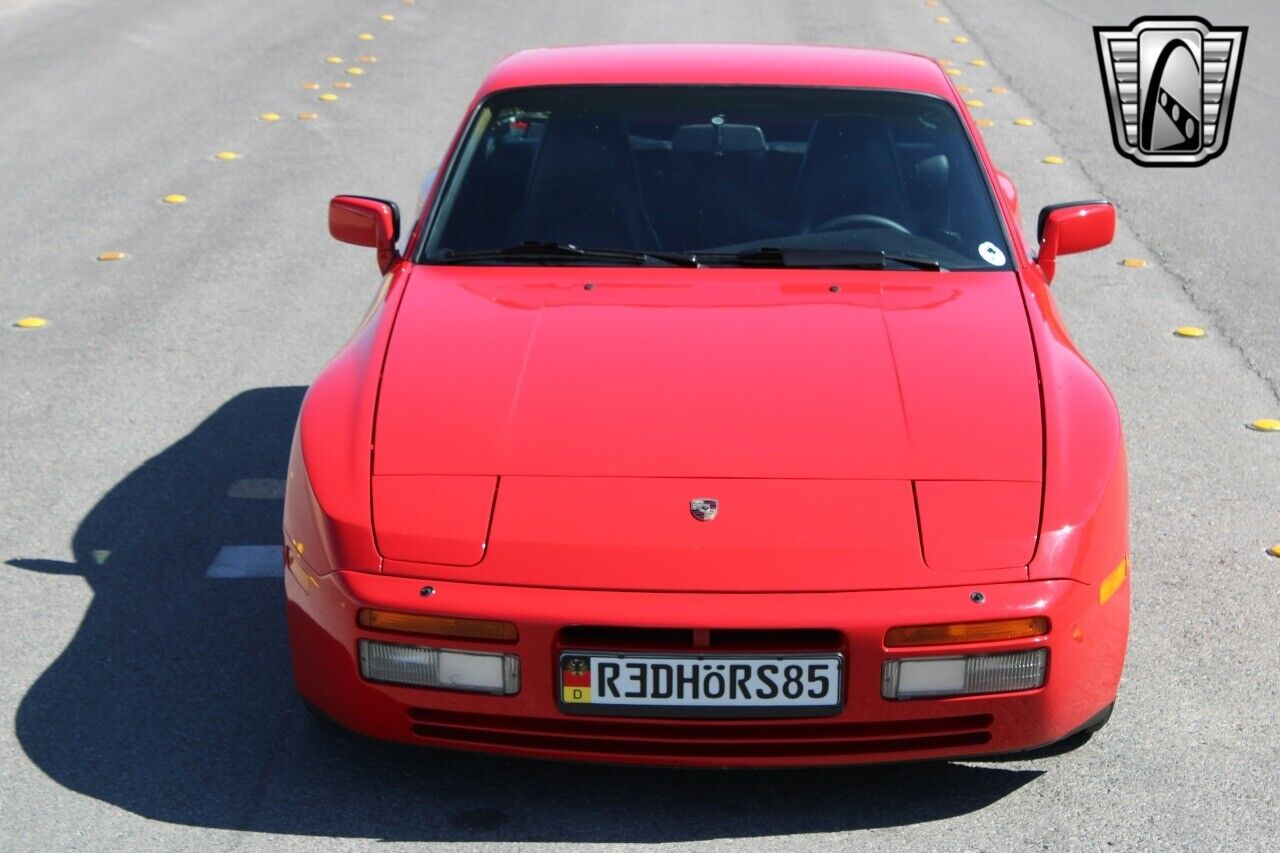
[860, 430]
[710, 373]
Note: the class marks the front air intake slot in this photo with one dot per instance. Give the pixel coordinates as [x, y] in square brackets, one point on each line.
[605, 637]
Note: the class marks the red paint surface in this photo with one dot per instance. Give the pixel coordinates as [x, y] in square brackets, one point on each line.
[659, 372]
[729, 64]
[968, 525]
[439, 519]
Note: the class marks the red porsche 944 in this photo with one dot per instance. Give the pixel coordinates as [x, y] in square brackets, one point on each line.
[712, 412]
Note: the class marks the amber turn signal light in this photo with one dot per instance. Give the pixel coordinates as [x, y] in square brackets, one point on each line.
[967, 632]
[440, 626]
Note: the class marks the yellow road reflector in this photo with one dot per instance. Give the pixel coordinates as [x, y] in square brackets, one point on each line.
[926, 2]
[960, 39]
[111, 256]
[1266, 425]
[31, 322]
[1023, 122]
[1113, 581]
[227, 155]
[386, 16]
[307, 116]
[964, 89]
[356, 70]
[944, 62]
[978, 63]
[333, 60]
[367, 58]
[365, 37]
[984, 122]
[1053, 160]
[974, 102]
[954, 72]
[1274, 550]
[174, 198]
[1134, 263]
[998, 90]
[328, 96]
[310, 87]
[1189, 332]
[942, 19]
[269, 117]
[342, 84]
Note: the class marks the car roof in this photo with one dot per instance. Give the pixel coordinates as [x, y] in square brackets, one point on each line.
[723, 64]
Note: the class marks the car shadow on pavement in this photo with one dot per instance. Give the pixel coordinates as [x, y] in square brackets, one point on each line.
[174, 699]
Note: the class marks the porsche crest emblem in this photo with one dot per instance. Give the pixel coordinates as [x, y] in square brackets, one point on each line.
[704, 509]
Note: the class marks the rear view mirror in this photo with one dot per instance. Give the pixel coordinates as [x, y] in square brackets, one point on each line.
[1076, 226]
[363, 221]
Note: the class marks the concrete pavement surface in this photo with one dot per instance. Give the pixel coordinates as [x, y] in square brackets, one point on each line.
[145, 705]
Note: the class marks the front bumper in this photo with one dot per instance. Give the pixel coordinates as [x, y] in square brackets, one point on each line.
[1086, 647]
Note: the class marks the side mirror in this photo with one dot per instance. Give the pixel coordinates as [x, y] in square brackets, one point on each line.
[1076, 226]
[1005, 184]
[369, 222]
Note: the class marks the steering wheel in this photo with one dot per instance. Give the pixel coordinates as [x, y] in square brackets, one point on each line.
[860, 220]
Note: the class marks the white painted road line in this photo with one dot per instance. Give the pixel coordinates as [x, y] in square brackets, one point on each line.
[247, 561]
[259, 489]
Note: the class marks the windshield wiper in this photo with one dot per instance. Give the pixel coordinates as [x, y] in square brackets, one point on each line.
[848, 259]
[535, 251]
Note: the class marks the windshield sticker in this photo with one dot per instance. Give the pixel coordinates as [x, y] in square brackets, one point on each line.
[991, 254]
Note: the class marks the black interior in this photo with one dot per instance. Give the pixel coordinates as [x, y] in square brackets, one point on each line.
[704, 168]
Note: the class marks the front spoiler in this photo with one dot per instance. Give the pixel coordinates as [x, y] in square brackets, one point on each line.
[1086, 647]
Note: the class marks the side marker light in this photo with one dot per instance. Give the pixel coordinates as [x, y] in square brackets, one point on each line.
[1113, 581]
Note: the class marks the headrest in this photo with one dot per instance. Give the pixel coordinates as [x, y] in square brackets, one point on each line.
[849, 167]
[932, 173]
[580, 148]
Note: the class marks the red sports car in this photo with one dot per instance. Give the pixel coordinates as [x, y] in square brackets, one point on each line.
[713, 412]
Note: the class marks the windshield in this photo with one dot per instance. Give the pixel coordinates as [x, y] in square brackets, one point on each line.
[718, 173]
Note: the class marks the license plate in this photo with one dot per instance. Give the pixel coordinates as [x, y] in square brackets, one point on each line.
[702, 685]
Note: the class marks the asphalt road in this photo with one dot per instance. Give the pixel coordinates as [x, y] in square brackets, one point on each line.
[147, 706]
